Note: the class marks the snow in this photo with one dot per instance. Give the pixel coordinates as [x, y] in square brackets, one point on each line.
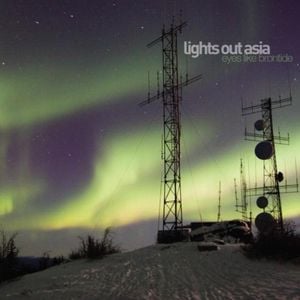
[175, 271]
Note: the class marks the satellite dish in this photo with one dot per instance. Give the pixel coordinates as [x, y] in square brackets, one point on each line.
[265, 222]
[259, 125]
[262, 202]
[264, 150]
[279, 176]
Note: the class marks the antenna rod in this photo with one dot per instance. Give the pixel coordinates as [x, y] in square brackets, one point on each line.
[148, 84]
[235, 193]
[296, 174]
[219, 205]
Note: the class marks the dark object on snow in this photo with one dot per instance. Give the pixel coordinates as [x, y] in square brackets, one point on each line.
[219, 242]
[172, 236]
[207, 246]
[237, 229]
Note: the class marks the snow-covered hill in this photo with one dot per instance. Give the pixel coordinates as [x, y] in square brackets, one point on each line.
[177, 271]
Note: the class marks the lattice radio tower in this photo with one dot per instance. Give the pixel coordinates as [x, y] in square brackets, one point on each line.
[241, 205]
[219, 203]
[270, 194]
[171, 96]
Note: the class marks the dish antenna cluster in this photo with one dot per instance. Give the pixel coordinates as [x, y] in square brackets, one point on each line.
[269, 197]
[264, 150]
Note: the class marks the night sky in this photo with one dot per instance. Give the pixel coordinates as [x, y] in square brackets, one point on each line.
[78, 154]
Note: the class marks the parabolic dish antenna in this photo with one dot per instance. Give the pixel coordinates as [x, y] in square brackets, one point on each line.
[265, 222]
[259, 125]
[279, 176]
[264, 150]
[262, 202]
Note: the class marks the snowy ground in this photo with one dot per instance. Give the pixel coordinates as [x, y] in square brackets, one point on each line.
[177, 271]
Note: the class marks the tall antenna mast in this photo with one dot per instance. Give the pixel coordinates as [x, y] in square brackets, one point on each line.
[219, 205]
[241, 205]
[172, 221]
[270, 194]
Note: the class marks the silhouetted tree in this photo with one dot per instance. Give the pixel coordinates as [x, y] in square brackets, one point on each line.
[44, 261]
[8, 248]
[90, 247]
[8, 255]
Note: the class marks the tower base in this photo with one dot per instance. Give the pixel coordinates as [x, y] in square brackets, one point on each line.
[172, 236]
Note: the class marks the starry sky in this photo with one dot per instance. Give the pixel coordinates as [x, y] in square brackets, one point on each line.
[78, 154]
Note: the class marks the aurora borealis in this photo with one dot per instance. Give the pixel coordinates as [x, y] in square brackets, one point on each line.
[78, 153]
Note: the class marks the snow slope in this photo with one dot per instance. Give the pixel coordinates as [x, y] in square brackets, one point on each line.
[177, 271]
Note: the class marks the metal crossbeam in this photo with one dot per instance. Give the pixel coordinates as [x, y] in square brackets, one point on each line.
[284, 189]
[161, 94]
[254, 137]
[169, 32]
[253, 109]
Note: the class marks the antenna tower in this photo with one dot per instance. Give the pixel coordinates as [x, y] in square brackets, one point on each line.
[219, 204]
[265, 150]
[171, 95]
[242, 206]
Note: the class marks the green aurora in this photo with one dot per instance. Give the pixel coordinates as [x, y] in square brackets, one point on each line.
[76, 151]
